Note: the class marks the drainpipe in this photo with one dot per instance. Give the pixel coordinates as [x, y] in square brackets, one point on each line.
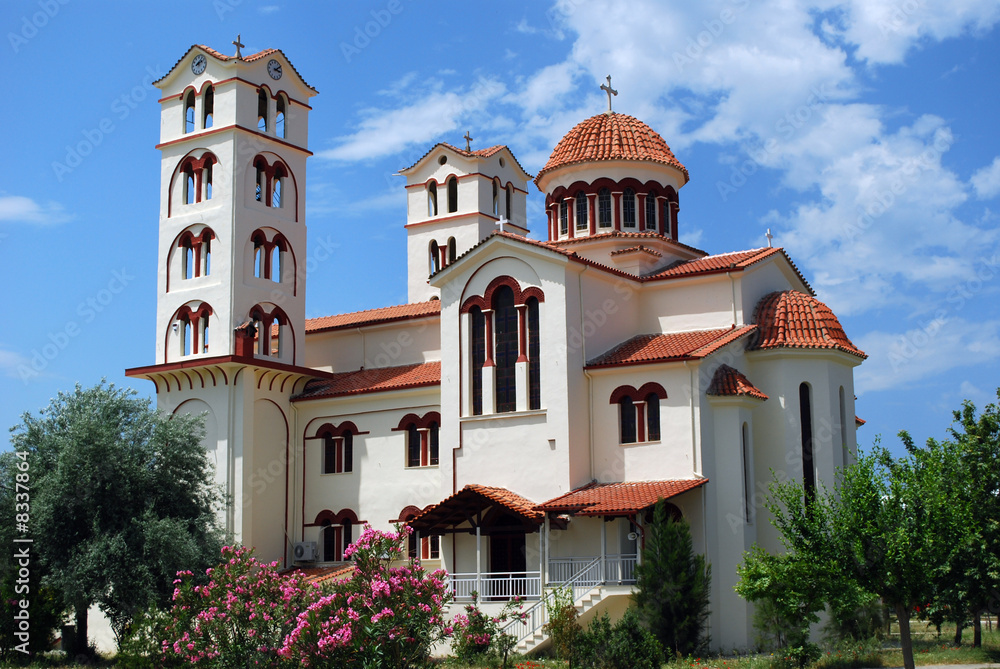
[732, 286]
[590, 379]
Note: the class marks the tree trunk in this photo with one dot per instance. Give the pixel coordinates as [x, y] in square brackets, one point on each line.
[903, 618]
[977, 630]
[80, 642]
[958, 634]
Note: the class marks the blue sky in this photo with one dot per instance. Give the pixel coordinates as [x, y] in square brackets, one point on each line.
[863, 134]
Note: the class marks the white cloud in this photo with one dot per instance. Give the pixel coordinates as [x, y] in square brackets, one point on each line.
[16, 366]
[20, 209]
[986, 180]
[268, 9]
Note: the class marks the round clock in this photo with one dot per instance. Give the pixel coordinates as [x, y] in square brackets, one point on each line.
[274, 69]
[199, 63]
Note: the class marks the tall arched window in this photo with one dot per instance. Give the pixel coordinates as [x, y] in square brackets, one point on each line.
[534, 352]
[509, 201]
[332, 542]
[505, 326]
[260, 178]
[652, 417]
[261, 110]
[189, 111]
[279, 117]
[276, 255]
[208, 104]
[412, 445]
[805, 420]
[435, 257]
[188, 258]
[452, 195]
[206, 248]
[432, 198]
[581, 210]
[496, 198]
[433, 443]
[190, 194]
[277, 184]
[627, 422]
[564, 218]
[477, 322]
[208, 178]
[259, 251]
[604, 208]
[844, 450]
[628, 208]
[651, 210]
[452, 250]
[666, 221]
[338, 452]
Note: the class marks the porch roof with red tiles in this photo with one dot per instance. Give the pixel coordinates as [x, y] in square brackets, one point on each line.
[322, 574]
[731, 382]
[676, 346]
[373, 380]
[617, 499]
[376, 316]
[472, 500]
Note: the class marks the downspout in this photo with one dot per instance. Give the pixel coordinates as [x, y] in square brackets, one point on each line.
[590, 380]
[732, 285]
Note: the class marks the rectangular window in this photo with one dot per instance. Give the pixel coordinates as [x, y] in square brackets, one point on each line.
[627, 410]
[430, 548]
[413, 446]
[653, 417]
[505, 327]
[338, 454]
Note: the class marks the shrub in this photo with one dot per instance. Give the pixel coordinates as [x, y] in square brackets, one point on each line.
[627, 645]
[479, 638]
[563, 628]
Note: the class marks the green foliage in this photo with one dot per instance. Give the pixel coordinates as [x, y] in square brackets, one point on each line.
[142, 647]
[479, 638]
[673, 585]
[627, 645]
[122, 499]
[563, 628]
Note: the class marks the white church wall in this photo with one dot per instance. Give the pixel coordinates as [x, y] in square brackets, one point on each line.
[766, 277]
[682, 305]
[390, 345]
[265, 482]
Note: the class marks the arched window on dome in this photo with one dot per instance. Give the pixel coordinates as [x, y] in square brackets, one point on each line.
[189, 111]
[432, 198]
[434, 253]
[508, 205]
[496, 198]
[262, 110]
[651, 210]
[666, 220]
[581, 210]
[452, 195]
[208, 107]
[279, 117]
[604, 208]
[628, 208]
[506, 330]
[564, 218]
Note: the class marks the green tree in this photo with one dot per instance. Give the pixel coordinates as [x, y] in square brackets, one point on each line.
[673, 585]
[122, 499]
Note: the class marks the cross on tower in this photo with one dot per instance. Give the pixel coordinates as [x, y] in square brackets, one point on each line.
[239, 45]
[468, 141]
[503, 219]
[610, 91]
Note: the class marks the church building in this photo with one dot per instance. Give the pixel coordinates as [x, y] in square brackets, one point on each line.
[527, 407]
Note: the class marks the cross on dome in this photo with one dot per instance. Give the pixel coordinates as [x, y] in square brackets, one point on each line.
[239, 45]
[610, 91]
[468, 141]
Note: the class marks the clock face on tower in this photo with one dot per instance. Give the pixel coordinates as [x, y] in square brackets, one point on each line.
[274, 69]
[198, 64]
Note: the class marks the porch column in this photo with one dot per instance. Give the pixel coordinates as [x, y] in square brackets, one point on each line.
[543, 566]
[479, 561]
[420, 553]
[604, 550]
[640, 541]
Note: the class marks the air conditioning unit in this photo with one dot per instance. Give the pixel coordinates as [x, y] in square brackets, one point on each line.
[305, 551]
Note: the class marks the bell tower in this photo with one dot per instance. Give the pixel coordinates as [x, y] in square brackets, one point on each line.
[233, 137]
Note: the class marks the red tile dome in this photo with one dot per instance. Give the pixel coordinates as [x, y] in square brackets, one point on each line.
[791, 319]
[611, 137]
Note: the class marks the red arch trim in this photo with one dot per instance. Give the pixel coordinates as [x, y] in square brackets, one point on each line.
[419, 422]
[336, 518]
[650, 388]
[485, 301]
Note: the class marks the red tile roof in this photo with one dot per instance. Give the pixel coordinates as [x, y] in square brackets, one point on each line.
[724, 262]
[637, 249]
[599, 499]
[859, 421]
[322, 574]
[613, 234]
[791, 319]
[650, 348]
[373, 380]
[458, 508]
[611, 137]
[731, 382]
[372, 316]
[475, 153]
[221, 56]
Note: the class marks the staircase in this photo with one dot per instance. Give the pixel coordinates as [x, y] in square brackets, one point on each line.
[537, 637]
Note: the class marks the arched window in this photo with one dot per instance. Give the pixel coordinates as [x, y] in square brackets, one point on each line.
[188, 258]
[208, 179]
[666, 220]
[604, 208]
[260, 178]
[277, 181]
[845, 451]
[452, 250]
[508, 205]
[452, 195]
[581, 210]
[652, 417]
[187, 341]
[279, 117]
[478, 349]
[333, 542]
[338, 452]
[190, 194]
[628, 208]
[261, 110]
[496, 198]
[534, 353]
[430, 547]
[259, 249]
[189, 111]
[276, 254]
[191, 329]
[206, 250]
[208, 107]
[203, 332]
[747, 480]
[505, 326]
[627, 422]
[435, 257]
[563, 217]
[651, 210]
[805, 420]
[434, 439]
[432, 198]
[422, 439]
[412, 445]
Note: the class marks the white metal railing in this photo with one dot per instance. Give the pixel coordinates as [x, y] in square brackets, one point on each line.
[618, 568]
[586, 578]
[497, 585]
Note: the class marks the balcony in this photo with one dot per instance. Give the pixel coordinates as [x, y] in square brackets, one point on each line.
[584, 572]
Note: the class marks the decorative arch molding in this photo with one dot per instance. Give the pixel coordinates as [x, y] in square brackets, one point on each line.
[266, 316]
[485, 301]
[198, 238]
[268, 239]
[270, 170]
[644, 390]
[420, 422]
[190, 314]
[333, 430]
[327, 517]
[198, 161]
